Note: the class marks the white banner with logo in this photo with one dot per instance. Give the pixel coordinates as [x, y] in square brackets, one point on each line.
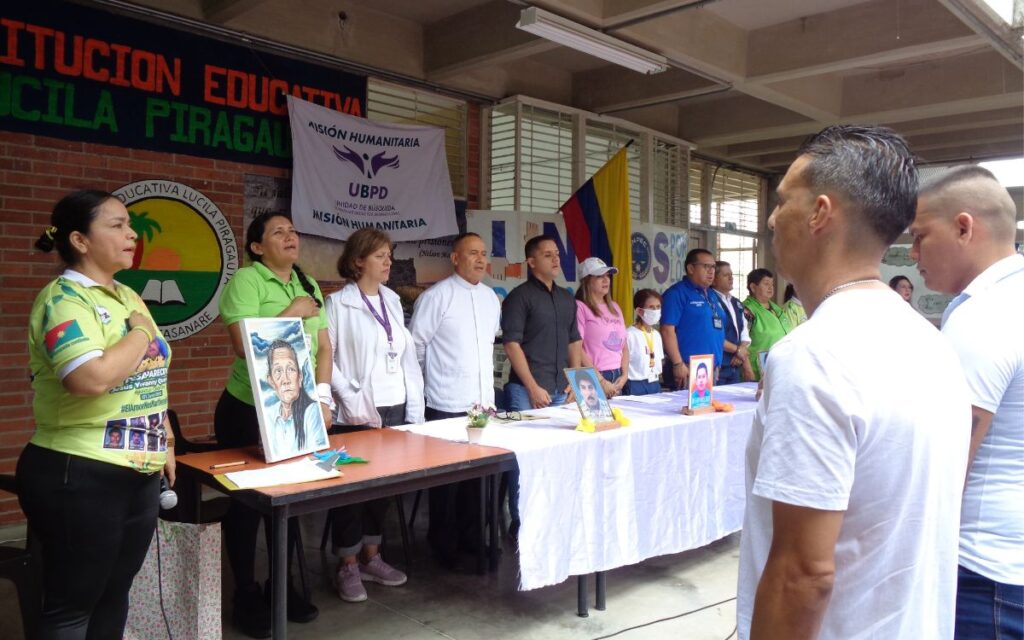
[350, 173]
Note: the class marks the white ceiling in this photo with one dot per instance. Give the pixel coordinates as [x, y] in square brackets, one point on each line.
[754, 14]
[749, 78]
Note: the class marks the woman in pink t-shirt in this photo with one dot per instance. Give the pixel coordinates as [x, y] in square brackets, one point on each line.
[601, 325]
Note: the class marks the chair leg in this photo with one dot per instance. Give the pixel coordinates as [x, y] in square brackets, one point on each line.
[300, 552]
[327, 532]
[405, 533]
[415, 508]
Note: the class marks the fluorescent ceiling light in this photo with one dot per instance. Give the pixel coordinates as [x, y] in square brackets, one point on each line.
[575, 36]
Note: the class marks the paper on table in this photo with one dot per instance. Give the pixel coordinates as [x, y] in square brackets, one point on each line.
[304, 470]
[648, 399]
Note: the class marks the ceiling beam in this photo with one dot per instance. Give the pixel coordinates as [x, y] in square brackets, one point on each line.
[980, 18]
[220, 11]
[874, 33]
[979, 77]
[482, 36]
[617, 89]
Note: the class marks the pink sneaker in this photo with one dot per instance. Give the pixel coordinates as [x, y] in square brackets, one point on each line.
[350, 586]
[376, 570]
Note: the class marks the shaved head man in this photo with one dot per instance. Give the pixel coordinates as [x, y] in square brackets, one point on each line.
[964, 245]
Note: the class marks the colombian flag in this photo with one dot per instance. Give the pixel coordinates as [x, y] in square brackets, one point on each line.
[597, 223]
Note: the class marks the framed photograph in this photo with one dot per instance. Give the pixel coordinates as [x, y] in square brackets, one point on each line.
[702, 377]
[283, 387]
[590, 398]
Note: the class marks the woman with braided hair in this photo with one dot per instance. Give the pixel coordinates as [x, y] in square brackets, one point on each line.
[272, 285]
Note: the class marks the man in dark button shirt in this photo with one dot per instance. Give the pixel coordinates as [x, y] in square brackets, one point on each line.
[538, 325]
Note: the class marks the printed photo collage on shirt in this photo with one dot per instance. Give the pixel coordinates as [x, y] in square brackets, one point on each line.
[138, 433]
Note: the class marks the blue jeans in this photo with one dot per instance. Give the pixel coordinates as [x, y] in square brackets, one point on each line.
[987, 609]
[641, 387]
[729, 375]
[517, 398]
[612, 375]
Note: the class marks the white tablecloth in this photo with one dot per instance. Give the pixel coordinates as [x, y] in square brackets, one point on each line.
[594, 502]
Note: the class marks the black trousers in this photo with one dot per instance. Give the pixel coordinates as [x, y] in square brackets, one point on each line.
[235, 424]
[94, 522]
[453, 510]
[354, 523]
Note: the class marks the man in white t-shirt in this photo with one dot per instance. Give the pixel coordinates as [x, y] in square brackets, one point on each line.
[853, 466]
[453, 327]
[963, 244]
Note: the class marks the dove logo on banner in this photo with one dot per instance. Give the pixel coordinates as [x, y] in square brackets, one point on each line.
[350, 173]
[365, 163]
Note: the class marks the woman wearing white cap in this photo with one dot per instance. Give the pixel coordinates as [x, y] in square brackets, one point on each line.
[601, 325]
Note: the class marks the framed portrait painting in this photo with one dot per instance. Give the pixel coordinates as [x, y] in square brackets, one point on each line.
[590, 397]
[702, 377]
[283, 387]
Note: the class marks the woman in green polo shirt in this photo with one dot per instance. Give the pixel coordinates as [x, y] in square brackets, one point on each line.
[767, 321]
[89, 496]
[272, 285]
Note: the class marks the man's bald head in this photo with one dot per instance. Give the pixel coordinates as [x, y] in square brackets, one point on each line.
[974, 190]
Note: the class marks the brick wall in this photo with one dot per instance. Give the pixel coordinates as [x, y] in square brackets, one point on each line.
[35, 172]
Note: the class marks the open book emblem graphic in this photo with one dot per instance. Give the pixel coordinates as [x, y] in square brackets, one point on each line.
[162, 292]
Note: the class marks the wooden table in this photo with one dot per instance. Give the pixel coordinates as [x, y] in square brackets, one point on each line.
[400, 462]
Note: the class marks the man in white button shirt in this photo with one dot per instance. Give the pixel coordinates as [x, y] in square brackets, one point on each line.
[453, 327]
[854, 467]
[963, 243]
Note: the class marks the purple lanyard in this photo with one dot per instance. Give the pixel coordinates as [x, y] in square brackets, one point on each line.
[384, 322]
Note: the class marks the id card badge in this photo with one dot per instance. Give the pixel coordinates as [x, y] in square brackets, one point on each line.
[391, 358]
[716, 322]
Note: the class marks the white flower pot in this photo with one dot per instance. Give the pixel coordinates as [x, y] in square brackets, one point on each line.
[474, 434]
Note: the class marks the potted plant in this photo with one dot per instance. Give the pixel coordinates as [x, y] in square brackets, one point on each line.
[477, 418]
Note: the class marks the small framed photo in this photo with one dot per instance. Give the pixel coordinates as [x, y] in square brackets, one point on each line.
[590, 398]
[702, 376]
[283, 387]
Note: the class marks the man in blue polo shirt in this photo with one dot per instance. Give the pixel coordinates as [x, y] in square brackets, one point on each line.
[692, 317]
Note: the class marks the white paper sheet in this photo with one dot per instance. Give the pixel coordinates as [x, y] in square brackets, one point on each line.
[304, 470]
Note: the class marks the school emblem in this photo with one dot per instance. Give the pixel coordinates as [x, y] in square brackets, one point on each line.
[184, 255]
[641, 255]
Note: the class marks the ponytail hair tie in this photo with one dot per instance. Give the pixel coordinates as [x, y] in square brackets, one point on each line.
[50, 231]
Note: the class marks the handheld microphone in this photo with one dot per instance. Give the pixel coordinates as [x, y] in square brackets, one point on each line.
[168, 499]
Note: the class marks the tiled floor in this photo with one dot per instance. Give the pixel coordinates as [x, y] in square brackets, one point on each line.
[459, 605]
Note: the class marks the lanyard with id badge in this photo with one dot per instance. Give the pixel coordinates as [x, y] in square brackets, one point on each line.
[716, 320]
[390, 355]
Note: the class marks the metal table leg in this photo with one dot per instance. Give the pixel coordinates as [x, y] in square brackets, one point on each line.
[481, 523]
[581, 596]
[493, 482]
[279, 574]
[599, 599]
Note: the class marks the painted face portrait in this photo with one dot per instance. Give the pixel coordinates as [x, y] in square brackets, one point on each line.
[284, 375]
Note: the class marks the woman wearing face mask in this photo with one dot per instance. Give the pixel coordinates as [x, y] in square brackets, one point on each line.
[643, 340]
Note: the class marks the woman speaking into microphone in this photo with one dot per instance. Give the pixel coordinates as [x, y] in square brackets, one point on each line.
[89, 496]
